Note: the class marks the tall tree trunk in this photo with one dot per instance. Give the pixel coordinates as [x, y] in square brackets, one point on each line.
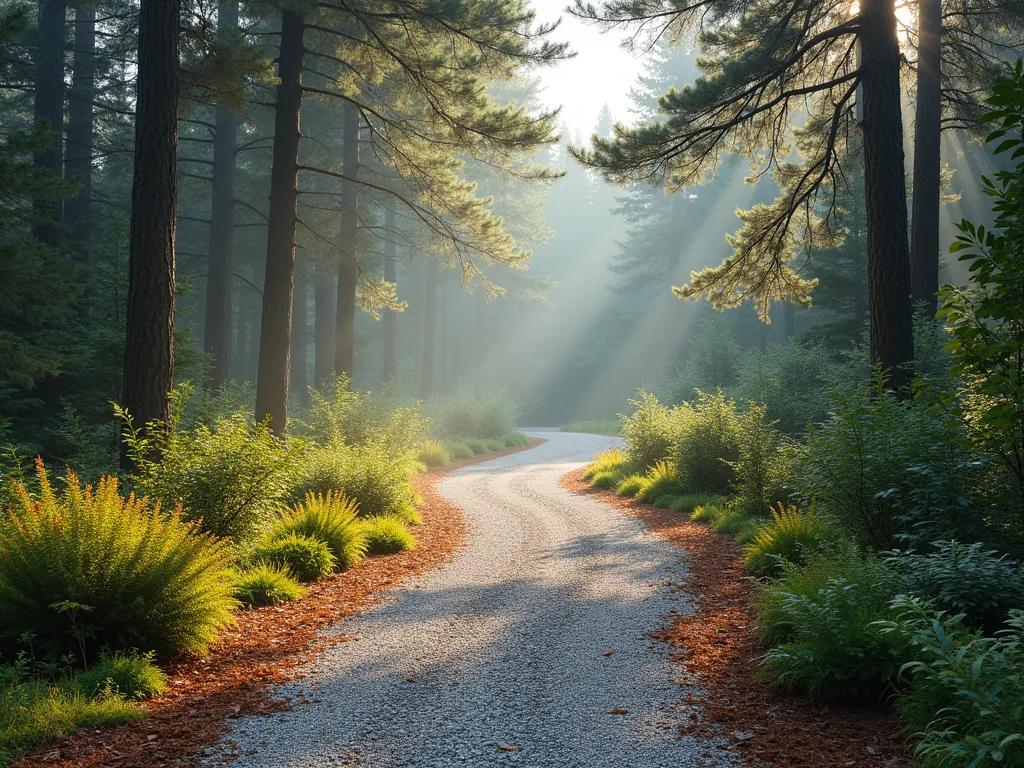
[348, 274]
[891, 312]
[430, 331]
[80, 128]
[279, 284]
[49, 106]
[924, 222]
[390, 319]
[300, 334]
[325, 303]
[149, 336]
[239, 361]
[217, 335]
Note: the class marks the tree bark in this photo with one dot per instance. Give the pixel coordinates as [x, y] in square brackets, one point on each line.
[279, 284]
[924, 222]
[390, 319]
[239, 361]
[325, 303]
[300, 334]
[348, 274]
[49, 107]
[217, 334]
[149, 336]
[78, 162]
[891, 312]
[429, 331]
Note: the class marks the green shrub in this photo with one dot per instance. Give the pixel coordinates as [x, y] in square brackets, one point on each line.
[129, 675]
[494, 445]
[230, 477]
[433, 454]
[648, 431]
[339, 416]
[688, 502]
[964, 579]
[265, 583]
[762, 470]
[307, 558]
[965, 699]
[705, 513]
[476, 446]
[32, 715]
[89, 570]
[882, 467]
[660, 480]
[606, 480]
[730, 520]
[385, 535]
[330, 518]
[612, 460]
[820, 619]
[630, 486]
[790, 536]
[515, 440]
[483, 414]
[706, 445]
[459, 451]
[749, 530]
[376, 479]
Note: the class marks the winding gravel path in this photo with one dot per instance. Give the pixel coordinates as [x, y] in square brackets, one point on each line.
[505, 646]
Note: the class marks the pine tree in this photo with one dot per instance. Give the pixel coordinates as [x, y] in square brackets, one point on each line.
[759, 67]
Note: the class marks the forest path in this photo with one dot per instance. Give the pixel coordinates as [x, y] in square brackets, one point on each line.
[505, 647]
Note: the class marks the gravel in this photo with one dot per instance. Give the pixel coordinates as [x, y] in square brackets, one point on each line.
[501, 658]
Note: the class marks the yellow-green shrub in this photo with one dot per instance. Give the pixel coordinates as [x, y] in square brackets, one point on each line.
[433, 454]
[330, 518]
[385, 535]
[89, 569]
[129, 675]
[660, 480]
[706, 443]
[308, 558]
[266, 583]
[790, 536]
[612, 460]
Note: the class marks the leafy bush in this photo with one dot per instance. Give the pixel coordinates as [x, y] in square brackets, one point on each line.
[762, 469]
[966, 694]
[790, 536]
[705, 513]
[330, 518]
[691, 501]
[339, 416]
[230, 477]
[385, 535]
[612, 460]
[494, 445]
[33, 714]
[730, 519]
[515, 440]
[376, 479]
[861, 467]
[706, 445]
[648, 431]
[307, 558]
[660, 480]
[484, 414]
[266, 583]
[630, 486]
[433, 454]
[606, 480]
[88, 570]
[129, 675]
[459, 451]
[964, 579]
[820, 618]
[476, 446]
[793, 381]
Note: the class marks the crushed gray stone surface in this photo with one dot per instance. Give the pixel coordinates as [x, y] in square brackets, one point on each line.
[502, 657]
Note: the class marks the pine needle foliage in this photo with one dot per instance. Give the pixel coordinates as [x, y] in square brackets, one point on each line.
[88, 569]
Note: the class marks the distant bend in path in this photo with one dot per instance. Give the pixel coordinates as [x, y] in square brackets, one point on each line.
[505, 647]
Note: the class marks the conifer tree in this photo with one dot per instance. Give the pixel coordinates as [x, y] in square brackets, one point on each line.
[779, 56]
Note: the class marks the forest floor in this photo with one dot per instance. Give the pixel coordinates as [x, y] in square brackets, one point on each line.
[718, 649]
[267, 647]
